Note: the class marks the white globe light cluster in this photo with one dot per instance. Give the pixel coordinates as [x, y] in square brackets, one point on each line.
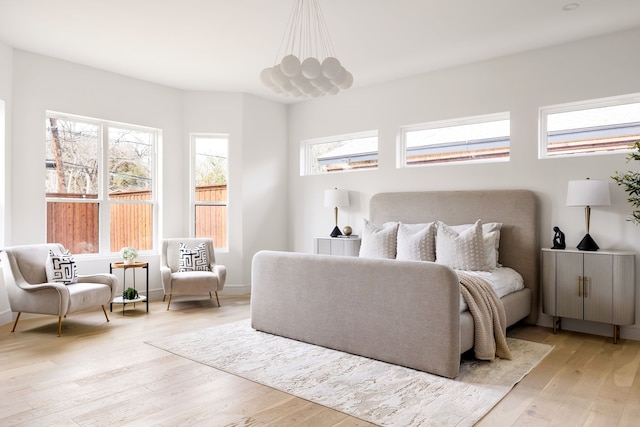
[308, 78]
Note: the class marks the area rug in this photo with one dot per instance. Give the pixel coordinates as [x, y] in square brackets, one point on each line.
[378, 392]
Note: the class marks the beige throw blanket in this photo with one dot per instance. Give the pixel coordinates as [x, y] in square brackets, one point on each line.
[489, 318]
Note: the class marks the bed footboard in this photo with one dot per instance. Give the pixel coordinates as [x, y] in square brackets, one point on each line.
[405, 313]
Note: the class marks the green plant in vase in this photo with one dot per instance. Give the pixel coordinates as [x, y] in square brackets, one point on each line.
[130, 294]
[630, 180]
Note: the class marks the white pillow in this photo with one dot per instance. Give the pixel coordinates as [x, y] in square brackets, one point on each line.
[461, 251]
[417, 242]
[379, 242]
[489, 241]
[193, 259]
[487, 229]
[61, 268]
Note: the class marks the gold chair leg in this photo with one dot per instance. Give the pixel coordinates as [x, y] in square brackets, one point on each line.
[105, 313]
[217, 299]
[59, 325]
[164, 297]
[210, 296]
[169, 303]
[16, 322]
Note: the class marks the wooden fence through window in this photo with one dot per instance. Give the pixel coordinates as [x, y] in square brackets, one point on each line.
[75, 224]
[211, 221]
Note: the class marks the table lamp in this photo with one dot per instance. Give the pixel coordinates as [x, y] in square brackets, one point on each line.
[587, 193]
[336, 198]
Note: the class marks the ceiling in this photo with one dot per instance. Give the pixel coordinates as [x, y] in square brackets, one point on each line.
[222, 45]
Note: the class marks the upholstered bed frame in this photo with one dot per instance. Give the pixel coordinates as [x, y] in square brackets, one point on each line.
[401, 312]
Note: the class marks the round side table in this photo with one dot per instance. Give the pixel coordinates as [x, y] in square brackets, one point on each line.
[125, 267]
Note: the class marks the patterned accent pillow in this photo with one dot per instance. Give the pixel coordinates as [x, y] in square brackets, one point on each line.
[461, 251]
[417, 242]
[379, 242]
[193, 259]
[61, 268]
[491, 231]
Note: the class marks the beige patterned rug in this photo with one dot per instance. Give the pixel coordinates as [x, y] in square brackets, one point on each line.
[374, 391]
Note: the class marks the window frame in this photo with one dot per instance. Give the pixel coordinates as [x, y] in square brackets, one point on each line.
[103, 200]
[306, 154]
[193, 203]
[451, 123]
[545, 111]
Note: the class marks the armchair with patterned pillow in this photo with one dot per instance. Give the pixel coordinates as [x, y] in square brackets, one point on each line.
[188, 267]
[43, 279]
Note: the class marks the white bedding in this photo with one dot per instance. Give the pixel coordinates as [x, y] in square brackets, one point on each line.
[504, 281]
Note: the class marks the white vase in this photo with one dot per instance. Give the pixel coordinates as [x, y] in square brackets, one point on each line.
[129, 261]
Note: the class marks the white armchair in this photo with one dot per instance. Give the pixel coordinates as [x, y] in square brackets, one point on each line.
[192, 269]
[25, 276]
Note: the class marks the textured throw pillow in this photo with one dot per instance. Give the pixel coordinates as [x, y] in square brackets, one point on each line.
[461, 251]
[491, 232]
[378, 242]
[490, 241]
[61, 268]
[417, 242]
[193, 259]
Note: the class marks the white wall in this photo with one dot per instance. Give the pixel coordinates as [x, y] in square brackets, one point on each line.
[264, 179]
[588, 69]
[6, 81]
[257, 182]
[42, 83]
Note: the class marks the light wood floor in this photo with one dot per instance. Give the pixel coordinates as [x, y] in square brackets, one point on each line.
[102, 373]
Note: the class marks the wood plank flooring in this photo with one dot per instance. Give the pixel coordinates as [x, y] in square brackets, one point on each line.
[103, 374]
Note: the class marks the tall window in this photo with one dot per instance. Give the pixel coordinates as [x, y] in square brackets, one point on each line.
[471, 139]
[99, 184]
[3, 202]
[607, 125]
[210, 171]
[340, 153]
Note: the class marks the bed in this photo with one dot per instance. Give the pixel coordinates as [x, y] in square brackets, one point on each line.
[401, 312]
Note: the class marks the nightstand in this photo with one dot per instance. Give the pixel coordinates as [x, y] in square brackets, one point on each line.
[597, 286]
[346, 246]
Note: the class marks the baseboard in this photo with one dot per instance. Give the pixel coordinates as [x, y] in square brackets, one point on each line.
[236, 290]
[6, 316]
[631, 332]
[157, 294]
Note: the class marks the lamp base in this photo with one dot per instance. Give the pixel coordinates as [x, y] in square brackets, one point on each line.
[588, 244]
[336, 232]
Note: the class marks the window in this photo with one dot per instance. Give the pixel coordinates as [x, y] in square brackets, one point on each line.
[3, 202]
[99, 184]
[210, 172]
[470, 139]
[607, 125]
[340, 153]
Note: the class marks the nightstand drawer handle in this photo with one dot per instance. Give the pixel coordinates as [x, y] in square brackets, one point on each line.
[579, 286]
[586, 287]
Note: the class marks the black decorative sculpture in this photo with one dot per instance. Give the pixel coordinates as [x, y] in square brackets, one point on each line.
[558, 239]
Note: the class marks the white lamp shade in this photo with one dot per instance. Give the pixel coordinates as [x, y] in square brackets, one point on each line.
[588, 192]
[336, 198]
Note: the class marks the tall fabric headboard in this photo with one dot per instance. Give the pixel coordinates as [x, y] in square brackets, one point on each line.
[516, 209]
